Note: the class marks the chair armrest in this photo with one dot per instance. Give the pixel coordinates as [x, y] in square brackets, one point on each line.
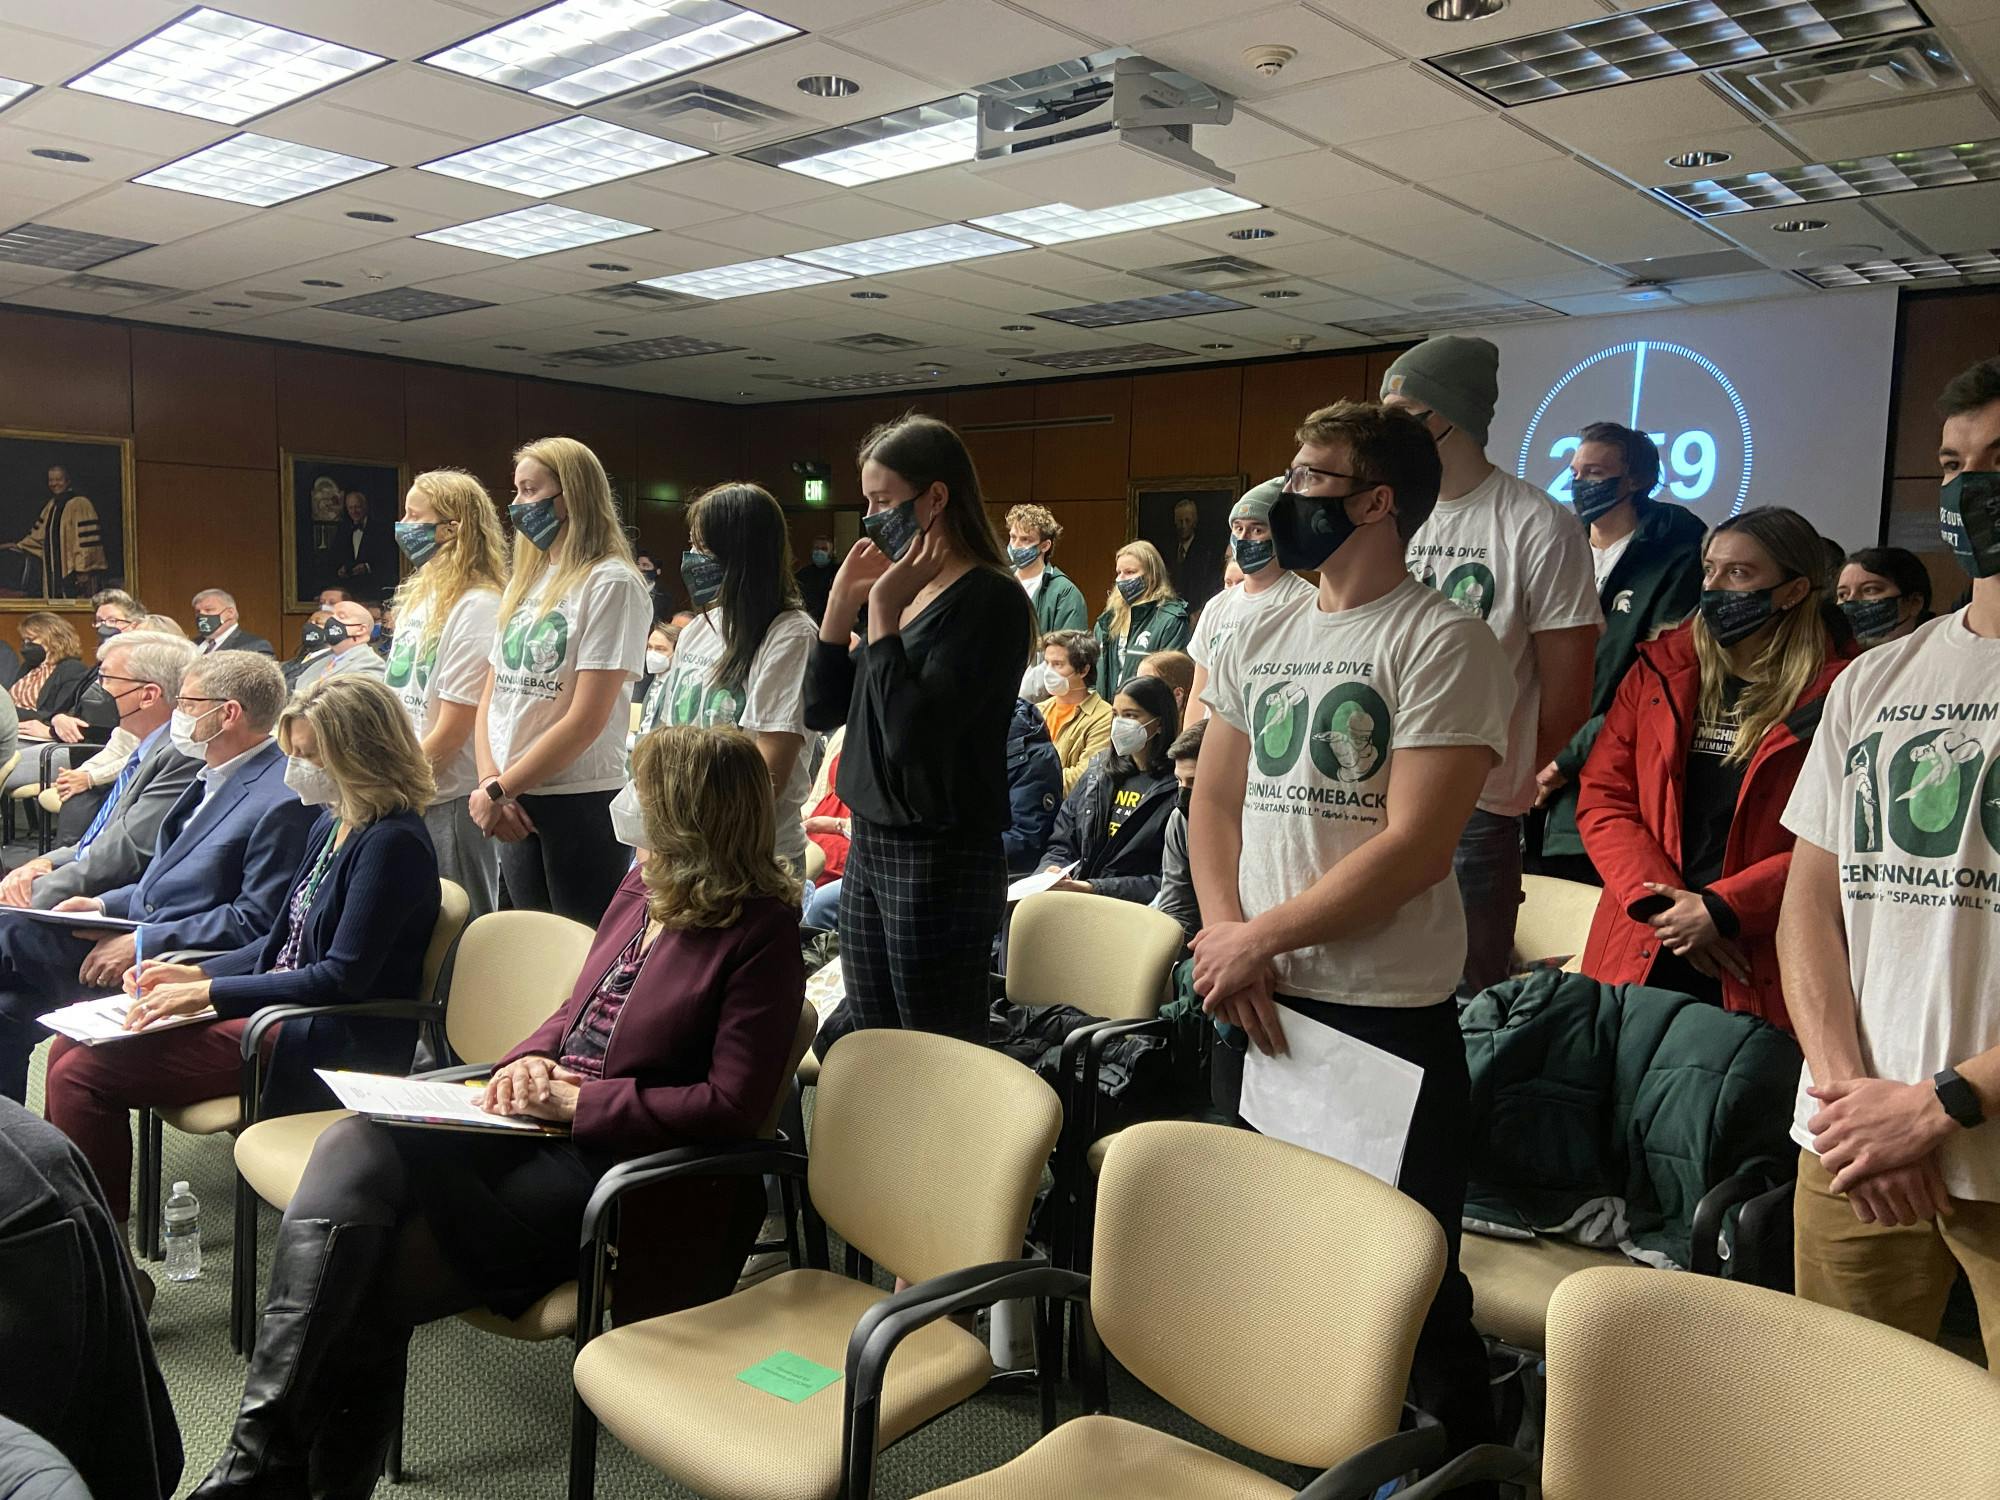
[1490, 1463]
[1095, 1044]
[888, 1322]
[1705, 1237]
[1361, 1474]
[251, 1079]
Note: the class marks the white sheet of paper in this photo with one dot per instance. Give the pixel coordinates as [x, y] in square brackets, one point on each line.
[90, 921]
[1334, 1095]
[421, 1099]
[826, 987]
[1035, 884]
[95, 1021]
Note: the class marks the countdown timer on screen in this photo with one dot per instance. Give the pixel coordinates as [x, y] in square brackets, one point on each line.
[1678, 396]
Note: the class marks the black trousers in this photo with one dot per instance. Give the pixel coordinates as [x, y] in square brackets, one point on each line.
[1448, 1377]
[571, 864]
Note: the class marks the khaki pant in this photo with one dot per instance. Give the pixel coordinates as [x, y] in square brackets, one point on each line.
[1895, 1274]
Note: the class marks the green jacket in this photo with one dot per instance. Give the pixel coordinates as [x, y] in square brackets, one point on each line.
[1160, 626]
[1583, 1092]
[1653, 587]
[1058, 604]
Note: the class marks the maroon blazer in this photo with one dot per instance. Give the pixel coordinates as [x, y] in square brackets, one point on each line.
[703, 1041]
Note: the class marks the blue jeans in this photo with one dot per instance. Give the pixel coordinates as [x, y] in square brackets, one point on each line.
[1487, 863]
[822, 909]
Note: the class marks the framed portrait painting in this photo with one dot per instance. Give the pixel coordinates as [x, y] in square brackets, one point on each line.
[1188, 520]
[66, 518]
[340, 528]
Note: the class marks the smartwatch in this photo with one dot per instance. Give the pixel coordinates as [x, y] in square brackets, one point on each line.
[498, 793]
[1959, 1098]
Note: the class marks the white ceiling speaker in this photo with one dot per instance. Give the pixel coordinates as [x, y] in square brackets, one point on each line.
[1269, 60]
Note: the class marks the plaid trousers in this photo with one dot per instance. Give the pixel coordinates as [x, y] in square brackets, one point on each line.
[918, 915]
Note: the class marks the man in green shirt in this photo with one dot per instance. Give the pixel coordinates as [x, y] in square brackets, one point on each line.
[1032, 534]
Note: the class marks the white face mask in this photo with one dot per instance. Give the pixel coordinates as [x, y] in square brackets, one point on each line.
[628, 820]
[656, 663]
[1127, 735]
[314, 784]
[181, 731]
[1035, 683]
[1055, 682]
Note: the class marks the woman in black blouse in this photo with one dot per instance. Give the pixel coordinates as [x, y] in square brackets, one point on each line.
[926, 701]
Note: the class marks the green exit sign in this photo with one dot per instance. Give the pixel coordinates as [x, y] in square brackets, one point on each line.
[815, 492]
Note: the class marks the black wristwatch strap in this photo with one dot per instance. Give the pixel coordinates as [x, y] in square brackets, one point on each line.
[1959, 1098]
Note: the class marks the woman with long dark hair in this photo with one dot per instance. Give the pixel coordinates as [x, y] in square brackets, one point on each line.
[1679, 802]
[742, 659]
[1885, 592]
[927, 701]
[1113, 826]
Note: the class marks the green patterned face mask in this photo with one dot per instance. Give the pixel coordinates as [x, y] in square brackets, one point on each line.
[1281, 720]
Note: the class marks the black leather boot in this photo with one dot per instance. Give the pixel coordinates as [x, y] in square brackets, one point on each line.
[322, 1276]
[364, 1418]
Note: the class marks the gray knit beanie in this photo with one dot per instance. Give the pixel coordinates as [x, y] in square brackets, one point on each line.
[1458, 378]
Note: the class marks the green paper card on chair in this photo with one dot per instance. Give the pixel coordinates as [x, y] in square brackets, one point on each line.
[789, 1375]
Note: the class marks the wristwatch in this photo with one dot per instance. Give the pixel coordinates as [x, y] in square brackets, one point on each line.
[496, 792]
[1959, 1098]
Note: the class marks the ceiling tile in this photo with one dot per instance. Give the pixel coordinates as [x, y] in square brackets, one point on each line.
[1445, 150]
[1740, 288]
[37, 57]
[106, 24]
[1381, 101]
[1849, 224]
[1125, 20]
[1249, 140]
[106, 164]
[394, 28]
[1644, 161]
[845, 217]
[270, 241]
[951, 193]
[1945, 219]
[1361, 214]
[1214, 53]
[1963, 116]
[30, 192]
[315, 122]
[1213, 234]
[744, 185]
[756, 235]
[637, 203]
[1633, 112]
[961, 43]
[1315, 172]
[828, 15]
[993, 295]
[81, 120]
[1406, 28]
[456, 107]
[770, 75]
[148, 213]
[1125, 252]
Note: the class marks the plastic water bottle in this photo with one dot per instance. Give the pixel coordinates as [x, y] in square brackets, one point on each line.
[182, 1220]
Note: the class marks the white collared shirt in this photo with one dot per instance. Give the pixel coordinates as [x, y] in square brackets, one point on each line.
[213, 778]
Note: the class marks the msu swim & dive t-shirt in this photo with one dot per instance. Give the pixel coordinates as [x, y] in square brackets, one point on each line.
[1903, 789]
[1327, 699]
[1510, 555]
[1233, 609]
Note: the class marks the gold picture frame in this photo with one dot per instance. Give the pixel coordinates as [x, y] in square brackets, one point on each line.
[309, 556]
[89, 462]
[1150, 506]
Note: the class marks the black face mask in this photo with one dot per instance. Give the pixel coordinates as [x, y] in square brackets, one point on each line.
[32, 656]
[1873, 618]
[1184, 800]
[1736, 614]
[893, 530]
[1969, 521]
[311, 638]
[1308, 530]
[1593, 497]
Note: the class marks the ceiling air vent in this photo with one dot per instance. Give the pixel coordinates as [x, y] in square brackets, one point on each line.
[113, 286]
[1214, 273]
[873, 343]
[702, 115]
[638, 294]
[1881, 71]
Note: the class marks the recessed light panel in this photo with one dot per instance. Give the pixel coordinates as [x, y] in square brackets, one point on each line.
[879, 380]
[1864, 177]
[744, 279]
[644, 351]
[562, 157]
[907, 252]
[1060, 224]
[12, 89]
[64, 249]
[216, 66]
[405, 304]
[893, 145]
[258, 170]
[1111, 354]
[579, 51]
[1663, 40]
[541, 230]
[1971, 263]
[1143, 309]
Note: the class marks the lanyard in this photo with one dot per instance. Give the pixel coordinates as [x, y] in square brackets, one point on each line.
[318, 872]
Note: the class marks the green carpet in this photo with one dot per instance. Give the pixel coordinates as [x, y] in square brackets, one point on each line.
[488, 1419]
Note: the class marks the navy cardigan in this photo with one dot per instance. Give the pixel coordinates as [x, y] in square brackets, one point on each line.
[365, 938]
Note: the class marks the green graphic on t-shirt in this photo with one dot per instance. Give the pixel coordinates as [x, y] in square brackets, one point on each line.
[1470, 587]
[548, 644]
[1989, 804]
[693, 699]
[1931, 782]
[515, 634]
[1350, 733]
[1861, 765]
[1278, 727]
[687, 700]
[723, 707]
[405, 663]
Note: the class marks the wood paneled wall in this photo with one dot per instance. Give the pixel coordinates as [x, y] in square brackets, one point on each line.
[209, 414]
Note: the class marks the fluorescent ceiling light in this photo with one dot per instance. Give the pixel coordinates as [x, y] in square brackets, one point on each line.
[1143, 309]
[745, 279]
[216, 66]
[258, 170]
[64, 249]
[1824, 182]
[940, 134]
[579, 51]
[541, 230]
[1663, 40]
[1060, 223]
[12, 89]
[562, 157]
[1916, 268]
[907, 252]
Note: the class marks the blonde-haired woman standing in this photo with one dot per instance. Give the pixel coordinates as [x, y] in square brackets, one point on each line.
[354, 928]
[1142, 614]
[447, 615]
[550, 735]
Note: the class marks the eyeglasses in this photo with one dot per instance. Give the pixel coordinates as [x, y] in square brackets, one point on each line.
[1300, 474]
[183, 702]
[114, 677]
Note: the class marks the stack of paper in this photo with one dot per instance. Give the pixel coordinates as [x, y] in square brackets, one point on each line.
[423, 1101]
[1335, 1095]
[95, 1021]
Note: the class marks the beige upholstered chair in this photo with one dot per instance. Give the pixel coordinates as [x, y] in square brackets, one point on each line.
[926, 1152]
[1513, 1280]
[1271, 1293]
[1554, 920]
[1668, 1386]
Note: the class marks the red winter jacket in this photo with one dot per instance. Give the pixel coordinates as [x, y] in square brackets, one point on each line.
[1629, 812]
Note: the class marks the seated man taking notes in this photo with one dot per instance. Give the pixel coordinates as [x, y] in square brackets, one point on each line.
[227, 851]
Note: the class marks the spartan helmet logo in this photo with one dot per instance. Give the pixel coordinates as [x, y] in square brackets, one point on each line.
[1350, 733]
[1936, 784]
[1351, 738]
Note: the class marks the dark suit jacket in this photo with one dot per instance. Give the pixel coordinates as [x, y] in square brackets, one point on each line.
[79, 1366]
[120, 852]
[220, 878]
[378, 551]
[60, 690]
[364, 939]
[242, 640]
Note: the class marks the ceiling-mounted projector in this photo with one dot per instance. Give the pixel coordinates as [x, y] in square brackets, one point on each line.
[1152, 107]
